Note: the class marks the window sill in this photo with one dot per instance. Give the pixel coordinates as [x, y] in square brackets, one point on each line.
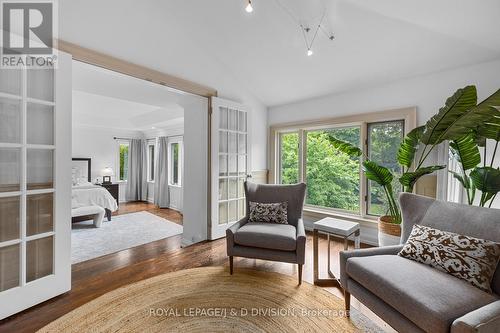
[177, 186]
[316, 213]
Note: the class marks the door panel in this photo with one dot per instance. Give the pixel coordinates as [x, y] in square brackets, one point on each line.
[35, 185]
[230, 164]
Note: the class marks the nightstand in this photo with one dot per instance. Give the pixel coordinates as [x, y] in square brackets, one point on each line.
[114, 190]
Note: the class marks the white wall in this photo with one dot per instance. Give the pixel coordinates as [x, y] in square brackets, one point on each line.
[99, 145]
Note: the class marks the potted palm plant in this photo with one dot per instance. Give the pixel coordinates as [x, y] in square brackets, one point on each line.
[456, 119]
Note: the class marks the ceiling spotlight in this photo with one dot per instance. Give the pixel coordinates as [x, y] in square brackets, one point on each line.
[249, 7]
[309, 52]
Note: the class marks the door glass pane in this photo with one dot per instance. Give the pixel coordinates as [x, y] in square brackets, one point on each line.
[332, 177]
[10, 159]
[40, 124]
[10, 124]
[233, 167]
[242, 165]
[41, 84]
[222, 189]
[40, 163]
[242, 144]
[222, 165]
[39, 213]
[233, 144]
[232, 211]
[223, 213]
[241, 209]
[233, 188]
[242, 121]
[9, 267]
[10, 81]
[39, 258]
[289, 159]
[222, 142]
[241, 188]
[223, 118]
[233, 120]
[10, 212]
[384, 140]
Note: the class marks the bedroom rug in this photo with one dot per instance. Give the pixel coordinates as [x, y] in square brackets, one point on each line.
[208, 299]
[122, 232]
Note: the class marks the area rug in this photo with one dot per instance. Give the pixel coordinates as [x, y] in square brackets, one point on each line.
[208, 299]
[122, 232]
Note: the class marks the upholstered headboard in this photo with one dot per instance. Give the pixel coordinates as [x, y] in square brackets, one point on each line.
[80, 168]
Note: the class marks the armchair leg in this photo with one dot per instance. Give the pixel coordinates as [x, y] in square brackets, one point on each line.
[347, 300]
[300, 274]
[231, 265]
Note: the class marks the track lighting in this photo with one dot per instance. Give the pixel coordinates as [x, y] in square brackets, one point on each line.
[249, 7]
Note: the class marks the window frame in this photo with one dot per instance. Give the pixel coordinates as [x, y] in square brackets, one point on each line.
[171, 142]
[120, 142]
[151, 161]
[408, 115]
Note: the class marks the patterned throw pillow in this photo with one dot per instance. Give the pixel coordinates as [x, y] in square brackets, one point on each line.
[268, 212]
[471, 259]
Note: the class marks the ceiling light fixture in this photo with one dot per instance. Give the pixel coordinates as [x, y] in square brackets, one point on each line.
[309, 52]
[249, 7]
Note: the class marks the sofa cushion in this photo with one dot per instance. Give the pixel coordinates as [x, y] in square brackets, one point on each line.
[267, 235]
[468, 258]
[268, 212]
[428, 297]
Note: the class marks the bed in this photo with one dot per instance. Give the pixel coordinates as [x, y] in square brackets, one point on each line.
[86, 194]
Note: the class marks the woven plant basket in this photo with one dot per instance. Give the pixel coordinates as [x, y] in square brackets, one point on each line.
[388, 233]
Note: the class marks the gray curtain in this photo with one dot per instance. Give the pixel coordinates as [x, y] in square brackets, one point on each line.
[161, 174]
[137, 185]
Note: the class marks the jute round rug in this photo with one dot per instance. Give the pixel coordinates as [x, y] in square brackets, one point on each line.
[208, 299]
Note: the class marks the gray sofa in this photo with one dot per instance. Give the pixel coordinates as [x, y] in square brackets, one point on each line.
[270, 241]
[412, 297]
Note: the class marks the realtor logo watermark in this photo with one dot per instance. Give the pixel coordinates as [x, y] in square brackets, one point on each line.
[29, 30]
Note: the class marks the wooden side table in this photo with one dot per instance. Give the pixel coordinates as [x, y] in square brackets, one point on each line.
[339, 228]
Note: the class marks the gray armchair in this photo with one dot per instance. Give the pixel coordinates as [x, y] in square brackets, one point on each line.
[270, 241]
[413, 297]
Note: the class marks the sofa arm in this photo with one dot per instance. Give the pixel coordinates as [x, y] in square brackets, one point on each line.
[483, 320]
[230, 234]
[344, 255]
[301, 242]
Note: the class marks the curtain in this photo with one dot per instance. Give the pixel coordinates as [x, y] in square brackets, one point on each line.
[161, 195]
[137, 186]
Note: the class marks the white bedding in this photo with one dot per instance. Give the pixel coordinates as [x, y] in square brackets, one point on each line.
[92, 195]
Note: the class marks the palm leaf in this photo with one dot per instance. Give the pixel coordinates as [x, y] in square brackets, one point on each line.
[463, 179]
[455, 118]
[345, 147]
[466, 151]
[490, 129]
[377, 173]
[409, 146]
[486, 179]
[408, 179]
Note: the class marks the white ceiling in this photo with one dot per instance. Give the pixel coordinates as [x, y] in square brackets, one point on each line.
[218, 44]
[103, 98]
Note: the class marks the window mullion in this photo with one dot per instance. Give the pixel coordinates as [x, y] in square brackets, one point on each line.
[363, 186]
[302, 155]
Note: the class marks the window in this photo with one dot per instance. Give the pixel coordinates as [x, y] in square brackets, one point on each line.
[151, 160]
[332, 178]
[383, 144]
[123, 160]
[289, 158]
[335, 181]
[175, 158]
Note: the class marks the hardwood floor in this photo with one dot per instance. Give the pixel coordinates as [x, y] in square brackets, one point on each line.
[131, 207]
[96, 277]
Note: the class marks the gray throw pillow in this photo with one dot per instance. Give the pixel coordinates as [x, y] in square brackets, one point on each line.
[268, 212]
[471, 259]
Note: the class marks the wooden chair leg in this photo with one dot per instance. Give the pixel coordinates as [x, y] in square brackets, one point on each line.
[231, 265]
[300, 274]
[347, 300]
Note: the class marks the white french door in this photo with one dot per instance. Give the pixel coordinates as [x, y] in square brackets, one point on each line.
[35, 185]
[230, 164]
